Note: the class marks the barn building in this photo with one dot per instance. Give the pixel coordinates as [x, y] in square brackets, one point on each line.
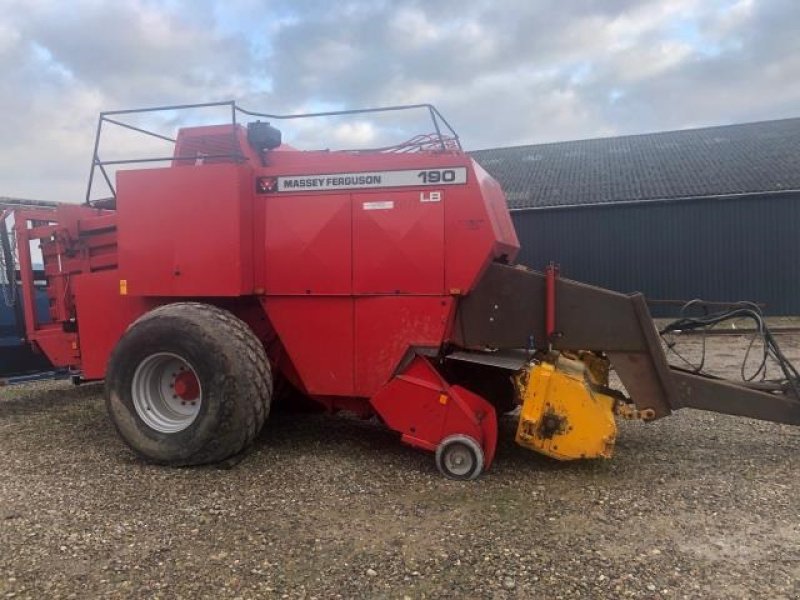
[712, 213]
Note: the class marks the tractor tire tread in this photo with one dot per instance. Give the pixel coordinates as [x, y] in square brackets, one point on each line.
[252, 383]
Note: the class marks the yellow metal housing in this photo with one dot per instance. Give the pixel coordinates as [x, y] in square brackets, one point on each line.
[562, 415]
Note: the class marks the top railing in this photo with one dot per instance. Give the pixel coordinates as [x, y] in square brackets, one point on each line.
[443, 138]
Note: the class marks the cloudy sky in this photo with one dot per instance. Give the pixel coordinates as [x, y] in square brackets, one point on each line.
[504, 72]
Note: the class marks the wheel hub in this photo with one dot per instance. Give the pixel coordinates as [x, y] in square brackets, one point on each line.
[166, 392]
[186, 386]
[459, 457]
[459, 460]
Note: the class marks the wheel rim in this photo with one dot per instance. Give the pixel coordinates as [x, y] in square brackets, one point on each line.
[166, 392]
[458, 459]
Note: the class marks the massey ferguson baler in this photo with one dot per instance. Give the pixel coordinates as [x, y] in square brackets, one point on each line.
[377, 282]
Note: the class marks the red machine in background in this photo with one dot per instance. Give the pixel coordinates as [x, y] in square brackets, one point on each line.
[380, 282]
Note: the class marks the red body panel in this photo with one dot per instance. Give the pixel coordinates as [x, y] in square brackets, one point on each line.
[478, 230]
[317, 334]
[103, 315]
[307, 255]
[59, 346]
[398, 244]
[186, 231]
[386, 327]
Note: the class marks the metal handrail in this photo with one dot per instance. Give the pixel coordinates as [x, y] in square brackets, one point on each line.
[445, 142]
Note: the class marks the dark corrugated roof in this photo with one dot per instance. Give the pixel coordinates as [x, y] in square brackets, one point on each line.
[713, 161]
[7, 202]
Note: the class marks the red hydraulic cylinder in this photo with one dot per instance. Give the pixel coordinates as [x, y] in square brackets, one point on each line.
[551, 274]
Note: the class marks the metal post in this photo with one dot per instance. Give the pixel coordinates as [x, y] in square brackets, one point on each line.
[94, 158]
[551, 274]
[26, 274]
[11, 277]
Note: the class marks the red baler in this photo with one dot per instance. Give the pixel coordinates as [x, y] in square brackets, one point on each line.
[378, 282]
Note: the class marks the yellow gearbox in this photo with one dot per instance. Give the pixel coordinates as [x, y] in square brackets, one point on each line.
[563, 415]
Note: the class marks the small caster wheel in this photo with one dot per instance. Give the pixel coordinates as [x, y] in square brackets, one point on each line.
[459, 457]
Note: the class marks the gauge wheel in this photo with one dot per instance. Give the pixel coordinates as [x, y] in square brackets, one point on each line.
[459, 457]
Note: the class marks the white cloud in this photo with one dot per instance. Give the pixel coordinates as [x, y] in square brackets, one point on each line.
[411, 27]
[354, 135]
[503, 71]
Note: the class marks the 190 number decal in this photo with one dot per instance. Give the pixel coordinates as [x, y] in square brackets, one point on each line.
[437, 176]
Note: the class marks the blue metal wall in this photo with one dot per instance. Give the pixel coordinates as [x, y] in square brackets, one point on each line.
[724, 249]
[16, 355]
[9, 329]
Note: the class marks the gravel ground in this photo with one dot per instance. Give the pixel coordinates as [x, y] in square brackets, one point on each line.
[697, 506]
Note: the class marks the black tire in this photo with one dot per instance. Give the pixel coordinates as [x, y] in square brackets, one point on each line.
[230, 365]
